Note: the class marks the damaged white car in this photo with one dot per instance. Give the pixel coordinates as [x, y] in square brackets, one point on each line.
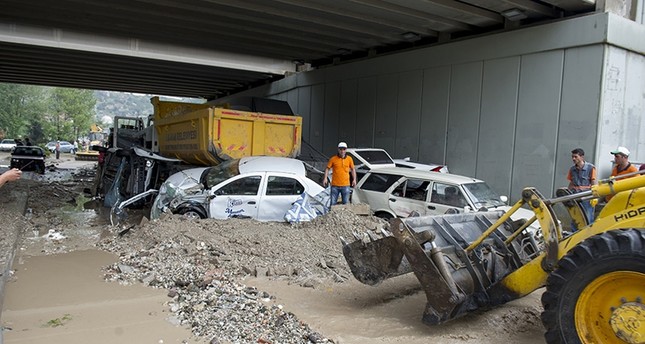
[262, 188]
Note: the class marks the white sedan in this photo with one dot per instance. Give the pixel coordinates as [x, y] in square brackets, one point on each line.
[262, 188]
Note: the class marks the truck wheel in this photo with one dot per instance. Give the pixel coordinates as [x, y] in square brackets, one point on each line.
[597, 293]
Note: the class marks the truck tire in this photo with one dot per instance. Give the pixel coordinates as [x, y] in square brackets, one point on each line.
[597, 286]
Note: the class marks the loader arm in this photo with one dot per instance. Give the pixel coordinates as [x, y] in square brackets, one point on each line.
[625, 210]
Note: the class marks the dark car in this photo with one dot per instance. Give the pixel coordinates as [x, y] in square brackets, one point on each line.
[28, 158]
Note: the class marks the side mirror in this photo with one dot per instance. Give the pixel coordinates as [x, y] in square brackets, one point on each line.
[503, 199]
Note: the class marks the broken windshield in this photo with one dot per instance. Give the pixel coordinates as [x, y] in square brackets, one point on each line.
[221, 172]
[482, 195]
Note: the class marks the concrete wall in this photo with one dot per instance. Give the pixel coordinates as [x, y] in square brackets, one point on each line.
[506, 108]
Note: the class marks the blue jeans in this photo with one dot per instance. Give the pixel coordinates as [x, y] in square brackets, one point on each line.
[588, 210]
[344, 192]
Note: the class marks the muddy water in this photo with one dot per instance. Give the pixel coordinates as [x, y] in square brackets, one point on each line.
[352, 313]
[62, 299]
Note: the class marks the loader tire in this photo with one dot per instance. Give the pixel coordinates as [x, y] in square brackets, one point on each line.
[597, 292]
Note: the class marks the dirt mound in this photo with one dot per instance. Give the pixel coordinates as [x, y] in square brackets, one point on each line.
[200, 260]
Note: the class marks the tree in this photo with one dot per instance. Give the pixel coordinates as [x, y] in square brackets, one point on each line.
[20, 107]
[72, 112]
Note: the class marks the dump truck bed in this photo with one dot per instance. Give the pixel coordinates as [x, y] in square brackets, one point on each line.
[202, 135]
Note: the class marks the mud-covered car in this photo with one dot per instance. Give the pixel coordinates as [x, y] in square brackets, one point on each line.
[262, 188]
[28, 158]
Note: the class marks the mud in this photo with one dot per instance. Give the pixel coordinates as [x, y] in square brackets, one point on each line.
[298, 270]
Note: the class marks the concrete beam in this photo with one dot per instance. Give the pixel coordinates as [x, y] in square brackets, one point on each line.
[133, 47]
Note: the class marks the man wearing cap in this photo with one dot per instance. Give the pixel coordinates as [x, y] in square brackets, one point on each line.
[621, 164]
[341, 166]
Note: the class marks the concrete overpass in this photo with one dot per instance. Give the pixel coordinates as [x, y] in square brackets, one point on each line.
[210, 49]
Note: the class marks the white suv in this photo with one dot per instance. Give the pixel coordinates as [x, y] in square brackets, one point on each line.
[398, 192]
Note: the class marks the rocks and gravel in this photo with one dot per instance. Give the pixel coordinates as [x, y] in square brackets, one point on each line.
[200, 263]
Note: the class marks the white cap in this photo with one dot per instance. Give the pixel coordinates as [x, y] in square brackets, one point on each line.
[342, 145]
[621, 150]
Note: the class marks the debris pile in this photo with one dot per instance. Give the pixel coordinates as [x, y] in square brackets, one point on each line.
[199, 262]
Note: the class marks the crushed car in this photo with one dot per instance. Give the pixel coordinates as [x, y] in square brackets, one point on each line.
[262, 188]
[28, 158]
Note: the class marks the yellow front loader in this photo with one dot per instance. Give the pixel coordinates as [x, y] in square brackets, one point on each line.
[96, 137]
[594, 278]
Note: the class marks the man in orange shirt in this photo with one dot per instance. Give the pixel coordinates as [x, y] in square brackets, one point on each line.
[621, 164]
[341, 166]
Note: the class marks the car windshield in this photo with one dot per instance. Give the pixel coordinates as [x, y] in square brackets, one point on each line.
[220, 173]
[8, 141]
[375, 157]
[482, 195]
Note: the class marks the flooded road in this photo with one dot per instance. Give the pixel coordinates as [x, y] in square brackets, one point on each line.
[391, 313]
[62, 298]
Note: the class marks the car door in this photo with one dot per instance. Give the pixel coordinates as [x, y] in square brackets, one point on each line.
[374, 190]
[236, 197]
[280, 191]
[446, 198]
[409, 196]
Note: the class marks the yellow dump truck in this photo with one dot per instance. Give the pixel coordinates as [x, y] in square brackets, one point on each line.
[141, 156]
[203, 135]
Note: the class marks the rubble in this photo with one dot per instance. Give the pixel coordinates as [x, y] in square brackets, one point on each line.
[202, 264]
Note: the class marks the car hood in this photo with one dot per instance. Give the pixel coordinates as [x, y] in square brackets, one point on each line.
[187, 178]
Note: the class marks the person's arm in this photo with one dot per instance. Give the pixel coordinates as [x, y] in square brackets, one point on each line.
[353, 176]
[325, 177]
[571, 186]
[9, 176]
[593, 177]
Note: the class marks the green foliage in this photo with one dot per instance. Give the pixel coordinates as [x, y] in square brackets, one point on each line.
[44, 113]
[20, 107]
[72, 112]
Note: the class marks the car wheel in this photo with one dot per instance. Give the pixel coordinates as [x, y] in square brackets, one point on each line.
[384, 215]
[192, 212]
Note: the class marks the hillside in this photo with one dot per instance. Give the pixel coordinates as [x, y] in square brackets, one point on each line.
[112, 104]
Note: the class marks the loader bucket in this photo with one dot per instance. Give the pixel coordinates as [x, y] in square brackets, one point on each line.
[87, 156]
[375, 261]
